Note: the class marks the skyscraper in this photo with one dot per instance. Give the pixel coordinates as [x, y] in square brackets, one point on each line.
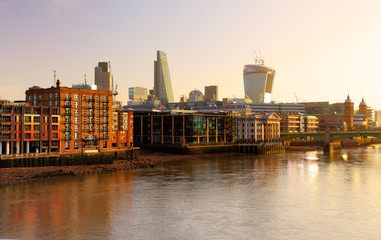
[103, 77]
[258, 81]
[137, 93]
[211, 93]
[162, 80]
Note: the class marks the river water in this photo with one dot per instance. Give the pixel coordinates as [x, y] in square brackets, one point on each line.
[297, 195]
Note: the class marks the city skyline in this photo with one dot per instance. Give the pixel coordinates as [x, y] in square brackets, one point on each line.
[319, 52]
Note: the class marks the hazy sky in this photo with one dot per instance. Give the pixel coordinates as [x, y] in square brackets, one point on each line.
[319, 49]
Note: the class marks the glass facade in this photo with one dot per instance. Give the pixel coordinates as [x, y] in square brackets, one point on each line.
[258, 82]
[162, 83]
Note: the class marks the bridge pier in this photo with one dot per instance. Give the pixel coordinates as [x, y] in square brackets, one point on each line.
[332, 147]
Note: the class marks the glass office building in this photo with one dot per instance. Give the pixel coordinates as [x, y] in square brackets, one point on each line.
[258, 81]
[162, 82]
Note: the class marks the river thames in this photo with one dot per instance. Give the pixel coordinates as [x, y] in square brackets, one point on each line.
[296, 195]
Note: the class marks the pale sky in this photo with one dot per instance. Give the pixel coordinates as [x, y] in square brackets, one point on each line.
[319, 49]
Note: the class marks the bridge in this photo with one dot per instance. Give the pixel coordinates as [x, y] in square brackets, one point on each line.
[330, 137]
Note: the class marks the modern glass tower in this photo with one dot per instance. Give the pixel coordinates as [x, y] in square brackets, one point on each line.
[162, 83]
[258, 81]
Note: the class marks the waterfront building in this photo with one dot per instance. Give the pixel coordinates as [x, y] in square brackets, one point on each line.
[294, 123]
[258, 82]
[122, 128]
[179, 127]
[258, 127]
[348, 113]
[103, 77]
[137, 93]
[183, 99]
[86, 116]
[211, 93]
[317, 107]
[29, 129]
[162, 80]
[363, 109]
[336, 108]
[310, 124]
[195, 96]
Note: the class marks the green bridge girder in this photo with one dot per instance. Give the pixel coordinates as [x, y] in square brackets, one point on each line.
[335, 136]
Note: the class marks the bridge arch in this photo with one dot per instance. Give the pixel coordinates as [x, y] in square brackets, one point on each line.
[289, 137]
[354, 135]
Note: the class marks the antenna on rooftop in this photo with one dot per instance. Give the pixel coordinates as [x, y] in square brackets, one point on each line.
[261, 58]
[54, 78]
[85, 79]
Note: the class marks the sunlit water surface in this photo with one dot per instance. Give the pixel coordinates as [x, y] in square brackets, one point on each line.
[285, 196]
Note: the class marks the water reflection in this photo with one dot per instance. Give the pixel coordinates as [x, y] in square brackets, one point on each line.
[291, 196]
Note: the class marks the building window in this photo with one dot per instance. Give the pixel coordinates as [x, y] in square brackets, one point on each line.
[56, 103]
[104, 144]
[28, 136]
[56, 96]
[28, 119]
[75, 144]
[36, 119]
[76, 120]
[76, 135]
[84, 128]
[36, 127]
[84, 120]
[50, 96]
[54, 135]
[84, 105]
[75, 127]
[36, 136]
[27, 127]
[76, 112]
[50, 103]
[97, 97]
[55, 119]
[67, 144]
[76, 104]
[76, 97]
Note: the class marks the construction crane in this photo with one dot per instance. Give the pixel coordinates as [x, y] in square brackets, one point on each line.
[114, 88]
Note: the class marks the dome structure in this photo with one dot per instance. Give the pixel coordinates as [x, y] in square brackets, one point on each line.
[348, 100]
[195, 96]
[362, 103]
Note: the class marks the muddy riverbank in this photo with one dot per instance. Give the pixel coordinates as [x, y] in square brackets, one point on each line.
[146, 159]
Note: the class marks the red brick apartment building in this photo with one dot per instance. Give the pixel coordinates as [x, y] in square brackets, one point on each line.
[86, 116]
[122, 129]
[29, 129]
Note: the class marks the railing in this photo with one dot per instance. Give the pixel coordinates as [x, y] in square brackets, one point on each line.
[26, 155]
